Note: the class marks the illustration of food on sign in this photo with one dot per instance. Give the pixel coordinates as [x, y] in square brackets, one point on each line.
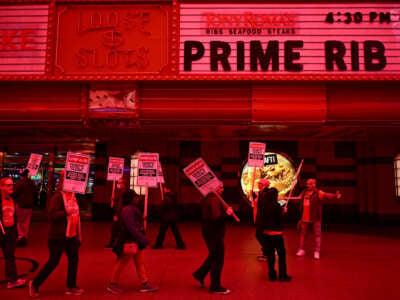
[280, 176]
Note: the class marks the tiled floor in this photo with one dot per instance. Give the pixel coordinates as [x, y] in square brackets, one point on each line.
[356, 263]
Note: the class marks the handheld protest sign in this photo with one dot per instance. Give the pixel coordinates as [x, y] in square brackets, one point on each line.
[147, 169]
[202, 177]
[147, 176]
[76, 172]
[255, 160]
[205, 180]
[256, 154]
[115, 168]
[34, 163]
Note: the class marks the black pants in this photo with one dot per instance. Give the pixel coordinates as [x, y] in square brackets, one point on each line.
[56, 249]
[163, 230]
[215, 259]
[272, 243]
[261, 240]
[8, 245]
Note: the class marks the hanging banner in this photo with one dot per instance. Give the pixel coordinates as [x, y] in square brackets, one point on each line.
[202, 177]
[115, 168]
[34, 163]
[256, 154]
[147, 169]
[76, 172]
[160, 175]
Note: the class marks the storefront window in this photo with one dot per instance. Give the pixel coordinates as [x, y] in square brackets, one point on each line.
[140, 190]
[397, 175]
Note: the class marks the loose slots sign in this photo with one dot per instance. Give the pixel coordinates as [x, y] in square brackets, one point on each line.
[292, 38]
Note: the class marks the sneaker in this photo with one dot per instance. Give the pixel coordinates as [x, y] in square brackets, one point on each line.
[108, 246]
[285, 278]
[16, 284]
[220, 290]
[262, 258]
[316, 255]
[113, 288]
[181, 247]
[199, 279]
[148, 287]
[33, 292]
[273, 277]
[301, 252]
[75, 291]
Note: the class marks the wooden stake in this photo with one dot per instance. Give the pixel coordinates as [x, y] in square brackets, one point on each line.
[226, 206]
[146, 199]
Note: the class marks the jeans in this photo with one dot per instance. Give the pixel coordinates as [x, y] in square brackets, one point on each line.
[8, 245]
[24, 216]
[272, 243]
[163, 230]
[56, 249]
[316, 227]
[124, 260]
[215, 259]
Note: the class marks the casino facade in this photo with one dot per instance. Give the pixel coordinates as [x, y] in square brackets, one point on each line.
[314, 80]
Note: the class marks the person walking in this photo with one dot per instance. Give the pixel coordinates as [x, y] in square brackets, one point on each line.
[8, 232]
[213, 231]
[130, 244]
[169, 218]
[24, 195]
[64, 236]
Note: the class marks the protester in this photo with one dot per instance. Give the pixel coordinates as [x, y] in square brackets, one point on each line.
[169, 218]
[8, 233]
[213, 231]
[122, 188]
[25, 195]
[130, 244]
[311, 214]
[64, 236]
[270, 229]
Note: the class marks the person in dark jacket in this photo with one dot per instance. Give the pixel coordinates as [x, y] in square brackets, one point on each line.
[169, 218]
[270, 226]
[8, 233]
[122, 188]
[213, 231]
[131, 230]
[64, 236]
[24, 195]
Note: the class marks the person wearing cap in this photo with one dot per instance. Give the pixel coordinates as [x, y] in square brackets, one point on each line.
[8, 233]
[64, 236]
[122, 189]
[24, 195]
[311, 200]
[213, 231]
[269, 226]
[169, 218]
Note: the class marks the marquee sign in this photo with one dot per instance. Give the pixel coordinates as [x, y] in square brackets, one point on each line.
[111, 39]
[23, 38]
[261, 39]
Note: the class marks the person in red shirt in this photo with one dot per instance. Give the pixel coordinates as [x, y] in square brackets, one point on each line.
[8, 232]
[311, 214]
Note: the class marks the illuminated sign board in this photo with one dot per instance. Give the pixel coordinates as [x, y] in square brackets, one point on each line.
[112, 39]
[23, 39]
[278, 169]
[307, 39]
